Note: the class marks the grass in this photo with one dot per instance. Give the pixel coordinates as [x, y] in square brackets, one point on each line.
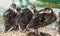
[18, 33]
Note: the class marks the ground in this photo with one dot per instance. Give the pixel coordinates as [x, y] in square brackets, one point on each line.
[18, 33]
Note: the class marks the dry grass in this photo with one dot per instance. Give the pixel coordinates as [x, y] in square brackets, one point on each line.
[18, 33]
[49, 31]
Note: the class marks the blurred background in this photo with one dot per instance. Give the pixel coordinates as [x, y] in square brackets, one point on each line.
[54, 4]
